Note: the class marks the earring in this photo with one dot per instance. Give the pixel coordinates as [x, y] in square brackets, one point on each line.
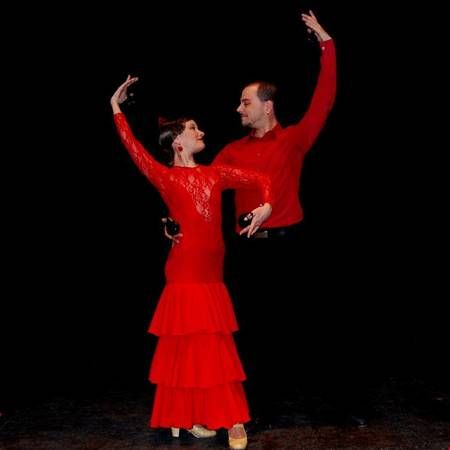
[179, 148]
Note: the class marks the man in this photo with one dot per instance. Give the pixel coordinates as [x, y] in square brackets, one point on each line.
[269, 272]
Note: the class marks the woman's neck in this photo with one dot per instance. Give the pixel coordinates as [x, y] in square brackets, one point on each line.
[184, 161]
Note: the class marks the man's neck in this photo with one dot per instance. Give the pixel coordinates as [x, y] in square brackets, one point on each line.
[269, 125]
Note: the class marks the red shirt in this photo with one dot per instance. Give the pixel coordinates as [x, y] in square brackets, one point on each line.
[280, 153]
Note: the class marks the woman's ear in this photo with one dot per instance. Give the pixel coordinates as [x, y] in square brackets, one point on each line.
[176, 145]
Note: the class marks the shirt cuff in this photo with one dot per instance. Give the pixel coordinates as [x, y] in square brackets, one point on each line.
[326, 44]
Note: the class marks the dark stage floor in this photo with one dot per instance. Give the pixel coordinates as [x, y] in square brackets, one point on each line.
[406, 414]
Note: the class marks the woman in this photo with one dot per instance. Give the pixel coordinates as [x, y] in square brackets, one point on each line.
[196, 367]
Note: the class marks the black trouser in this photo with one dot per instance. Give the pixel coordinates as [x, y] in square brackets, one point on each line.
[269, 283]
[297, 333]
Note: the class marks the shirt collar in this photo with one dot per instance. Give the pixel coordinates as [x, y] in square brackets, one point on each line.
[271, 134]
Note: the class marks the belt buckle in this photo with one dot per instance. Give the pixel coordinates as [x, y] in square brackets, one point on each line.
[262, 234]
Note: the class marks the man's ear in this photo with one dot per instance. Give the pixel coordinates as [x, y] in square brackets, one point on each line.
[268, 106]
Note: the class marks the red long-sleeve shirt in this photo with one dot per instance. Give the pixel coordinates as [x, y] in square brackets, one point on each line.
[280, 153]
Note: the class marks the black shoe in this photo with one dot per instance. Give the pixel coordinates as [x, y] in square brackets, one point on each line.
[358, 421]
[265, 420]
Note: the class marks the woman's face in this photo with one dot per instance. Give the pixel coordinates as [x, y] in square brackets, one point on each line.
[191, 139]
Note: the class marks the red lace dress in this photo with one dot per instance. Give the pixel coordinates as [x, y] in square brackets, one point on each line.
[196, 367]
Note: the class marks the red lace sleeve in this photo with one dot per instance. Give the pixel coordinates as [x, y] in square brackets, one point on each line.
[151, 168]
[233, 178]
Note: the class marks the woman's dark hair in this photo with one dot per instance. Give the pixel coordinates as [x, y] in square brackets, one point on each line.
[168, 131]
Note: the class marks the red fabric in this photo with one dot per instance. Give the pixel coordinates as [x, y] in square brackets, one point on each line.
[279, 154]
[217, 407]
[196, 360]
[207, 305]
[196, 366]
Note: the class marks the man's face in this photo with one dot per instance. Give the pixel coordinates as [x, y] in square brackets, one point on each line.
[251, 108]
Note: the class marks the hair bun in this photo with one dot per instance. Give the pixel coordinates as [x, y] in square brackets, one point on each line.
[162, 121]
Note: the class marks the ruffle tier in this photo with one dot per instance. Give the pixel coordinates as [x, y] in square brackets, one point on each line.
[200, 360]
[191, 308]
[215, 407]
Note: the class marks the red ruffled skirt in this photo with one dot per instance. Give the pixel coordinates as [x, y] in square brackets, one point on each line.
[196, 367]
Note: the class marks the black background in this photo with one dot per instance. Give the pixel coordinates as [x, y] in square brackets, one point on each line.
[84, 251]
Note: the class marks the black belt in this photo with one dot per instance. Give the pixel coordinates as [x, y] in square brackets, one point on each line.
[277, 233]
